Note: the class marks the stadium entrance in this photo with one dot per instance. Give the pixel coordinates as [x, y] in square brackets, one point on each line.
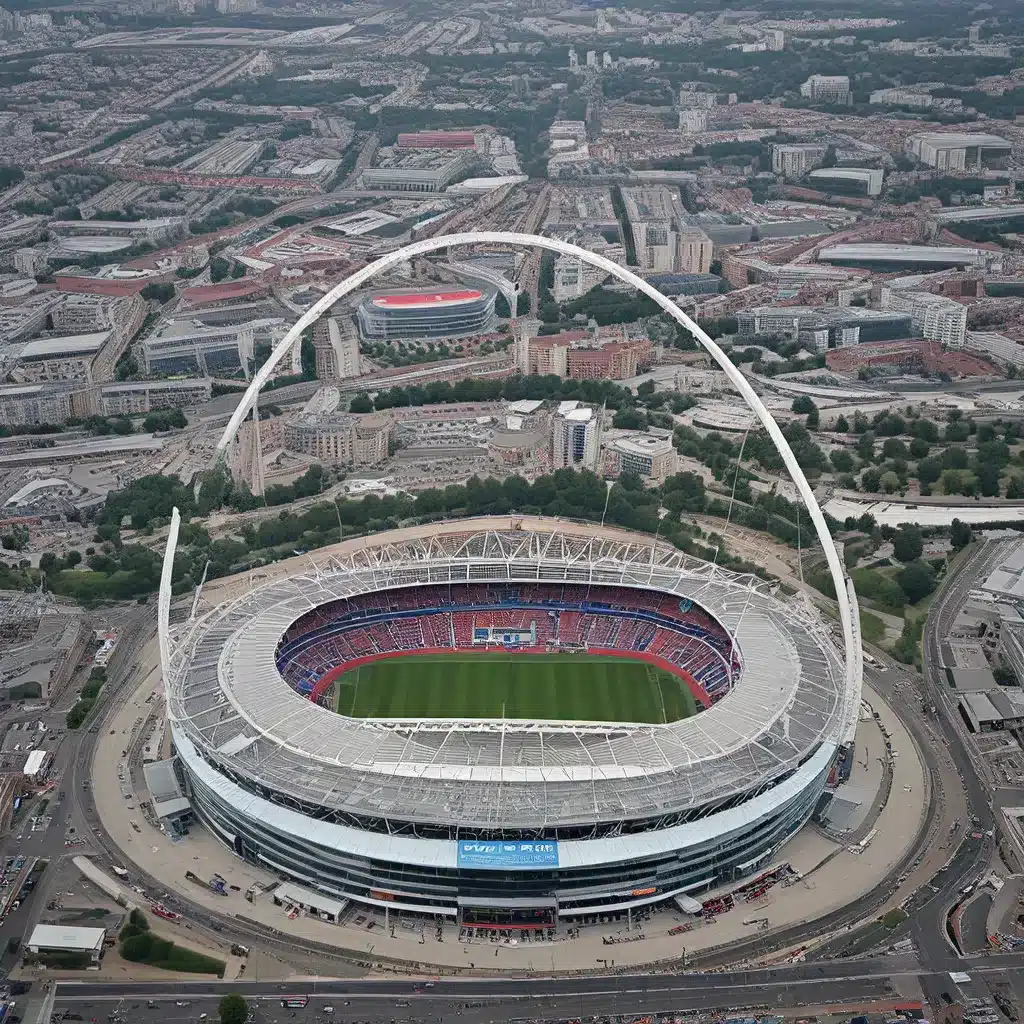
[509, 915]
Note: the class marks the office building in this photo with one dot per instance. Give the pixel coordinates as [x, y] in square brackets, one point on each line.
[696, 252]
[208, 351]
[654, 459]
[825, 327]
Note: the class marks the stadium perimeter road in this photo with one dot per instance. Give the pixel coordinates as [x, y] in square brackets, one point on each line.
[887, 980]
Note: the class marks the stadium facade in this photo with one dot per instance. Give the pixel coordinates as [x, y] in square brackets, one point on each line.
[442, 314]
[506, 823]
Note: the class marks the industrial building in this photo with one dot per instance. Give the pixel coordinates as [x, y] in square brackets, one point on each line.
[158, 231]
[959, 151]
[417, 314]
[886, 256]
[29, 404]
[861, 181]
[417, 170]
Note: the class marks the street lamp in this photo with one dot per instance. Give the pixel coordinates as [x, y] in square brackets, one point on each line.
[609, 484]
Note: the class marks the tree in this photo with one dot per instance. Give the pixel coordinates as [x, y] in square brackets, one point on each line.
[361, 403]
[813, 419]
[842, 461]
[960, 533]
[916, 580]
[803, 404]
[908, 544]
[1014, 490]
[233, 1009]
[842, 425]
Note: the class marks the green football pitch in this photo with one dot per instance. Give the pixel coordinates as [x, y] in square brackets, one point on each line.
[564, 687]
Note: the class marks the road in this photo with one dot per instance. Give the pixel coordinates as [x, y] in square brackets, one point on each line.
[71, 760]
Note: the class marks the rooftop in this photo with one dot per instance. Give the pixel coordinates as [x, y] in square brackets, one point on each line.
[59, 936]
[66, 345]
[414, 300]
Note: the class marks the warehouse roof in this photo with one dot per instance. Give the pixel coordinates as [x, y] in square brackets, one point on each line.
[59, 936]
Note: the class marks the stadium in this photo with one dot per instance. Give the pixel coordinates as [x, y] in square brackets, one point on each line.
[508, 726]
[443, 314]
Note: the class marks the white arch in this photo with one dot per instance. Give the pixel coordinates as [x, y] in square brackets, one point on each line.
[845, 596]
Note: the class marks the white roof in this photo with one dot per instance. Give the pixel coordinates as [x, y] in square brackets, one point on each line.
[69, 344]
[525, 406]
[851, 173]
[960, 140]
[58, 936]
[309, 898]
[889, 251]
[892, 513]
[35, 762]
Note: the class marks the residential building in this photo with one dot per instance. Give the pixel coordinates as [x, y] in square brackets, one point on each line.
[933, 316]
[696, 252]
[900, 98]
[29, 404]
[825, 327]
[795, 159]
[86, 312]
[88, 358]
[693, 120]
[338, 438]
[336, 343]
[137, 397]
[831, 89]
[996, 346]
[30, 261]
[575, 436]
[436, 140]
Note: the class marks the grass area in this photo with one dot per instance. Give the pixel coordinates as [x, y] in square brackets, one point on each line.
[872, 628]
[569, 687]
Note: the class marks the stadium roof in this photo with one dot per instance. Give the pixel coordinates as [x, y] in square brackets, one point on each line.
[420, 300]
[962, 140]
[227, 697]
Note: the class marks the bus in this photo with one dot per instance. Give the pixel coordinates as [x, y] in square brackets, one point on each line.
[295, 1002]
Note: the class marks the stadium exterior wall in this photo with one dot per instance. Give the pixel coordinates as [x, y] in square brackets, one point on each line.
[700, 695]
[424, 876]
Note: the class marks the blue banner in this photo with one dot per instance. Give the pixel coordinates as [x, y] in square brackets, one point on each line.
[475, 853]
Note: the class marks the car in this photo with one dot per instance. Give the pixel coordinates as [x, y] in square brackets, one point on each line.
[183, 1002]
[328, 1009]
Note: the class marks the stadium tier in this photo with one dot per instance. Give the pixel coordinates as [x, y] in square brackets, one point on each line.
[676, 635]
[502, 819]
